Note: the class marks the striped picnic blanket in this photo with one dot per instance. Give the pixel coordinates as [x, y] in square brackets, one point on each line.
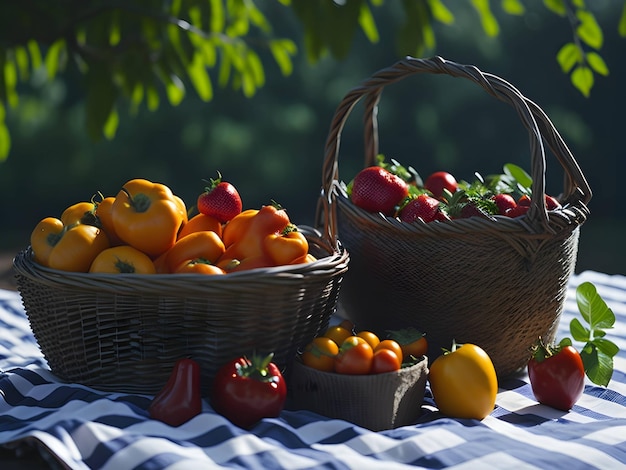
[78, 427]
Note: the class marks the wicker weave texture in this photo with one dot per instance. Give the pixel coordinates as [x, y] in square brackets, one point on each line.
[497, 282]
[125, 332]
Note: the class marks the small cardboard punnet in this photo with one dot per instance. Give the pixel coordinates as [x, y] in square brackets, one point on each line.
[375, 401]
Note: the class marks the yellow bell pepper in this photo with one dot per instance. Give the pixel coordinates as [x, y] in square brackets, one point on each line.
[148, 216]
[67, 247]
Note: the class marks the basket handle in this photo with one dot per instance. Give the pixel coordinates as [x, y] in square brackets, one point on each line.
[539, 126]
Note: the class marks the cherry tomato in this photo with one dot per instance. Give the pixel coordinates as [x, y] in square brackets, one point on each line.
[385, 360]
[439, 181]
[393, 345]
[370, 337]
[320, 354]
[337, 333]
[355, 357]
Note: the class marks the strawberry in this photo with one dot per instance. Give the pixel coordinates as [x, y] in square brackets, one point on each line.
[220, 200]
[378, 190]
[470, 209]
[424, 207]
[516, 211]
[504, 202]
[524, 200]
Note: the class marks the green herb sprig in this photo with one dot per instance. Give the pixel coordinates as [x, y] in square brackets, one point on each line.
[598, 352]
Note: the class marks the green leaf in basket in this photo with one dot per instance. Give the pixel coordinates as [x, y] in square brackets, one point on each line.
[598, 352]
[522, 179]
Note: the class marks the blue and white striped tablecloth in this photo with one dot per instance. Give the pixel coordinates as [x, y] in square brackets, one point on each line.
[84, 428]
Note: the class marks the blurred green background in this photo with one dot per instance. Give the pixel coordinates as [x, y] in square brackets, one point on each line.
[271, 146]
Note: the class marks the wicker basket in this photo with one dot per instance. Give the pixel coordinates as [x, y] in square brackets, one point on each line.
[499, 282]
[124, 332]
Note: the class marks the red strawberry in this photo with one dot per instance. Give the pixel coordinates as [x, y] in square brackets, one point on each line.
[220, 200]
[524, 201]
[517, 211]
[424, 207]
[378, 190]
[469, 209]
[504, 202]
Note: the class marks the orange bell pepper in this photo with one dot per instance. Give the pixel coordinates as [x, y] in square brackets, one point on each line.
[235, 227]
[198, 266]
[244, 238]
[286, 246]
[199, 223]
[104, 215]
[147, 216]
[206, 245]
[67, 247]
[234, 265]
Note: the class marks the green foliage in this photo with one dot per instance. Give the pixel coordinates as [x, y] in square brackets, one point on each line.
[138, 52]
[580, 58]
[598, 352]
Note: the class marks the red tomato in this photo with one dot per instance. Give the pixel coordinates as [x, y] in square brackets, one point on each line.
[439, 181]
[355, 357]
[557, 376]
[248, 390]
[385, 360]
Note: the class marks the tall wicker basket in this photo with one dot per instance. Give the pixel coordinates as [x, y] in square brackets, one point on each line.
[499, 282]
[124, 332]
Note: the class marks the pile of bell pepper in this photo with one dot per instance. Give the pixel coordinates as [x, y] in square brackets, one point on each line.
[147, 229]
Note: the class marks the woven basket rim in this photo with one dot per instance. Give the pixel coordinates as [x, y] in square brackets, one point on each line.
[186, 284]
[537, 222]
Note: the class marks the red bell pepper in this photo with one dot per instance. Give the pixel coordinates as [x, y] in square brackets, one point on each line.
[180, 399]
